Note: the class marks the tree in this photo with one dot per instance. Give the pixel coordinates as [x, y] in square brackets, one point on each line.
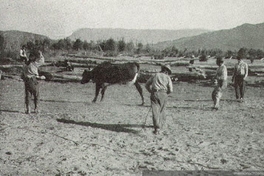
[30, 45]
[174, 50]
[2, 41]
[229, 54]
[130, 46]
[67, 44]
[102, 45]
[110, 45]
[45, 44]
[86, 45]
[260, 54]
[61, 44]
[78, 44]
[148, 48]
[121, 45]
[139, 47]
[242, 52]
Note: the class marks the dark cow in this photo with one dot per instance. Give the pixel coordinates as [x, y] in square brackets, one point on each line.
[106, 74]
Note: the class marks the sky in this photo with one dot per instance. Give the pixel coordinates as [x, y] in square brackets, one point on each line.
[60, 18]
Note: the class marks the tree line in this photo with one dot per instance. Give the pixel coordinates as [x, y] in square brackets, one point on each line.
[111, 47]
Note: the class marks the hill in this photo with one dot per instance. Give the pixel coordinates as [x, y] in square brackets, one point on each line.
[246, 35]
[136, 35]
[12, 40]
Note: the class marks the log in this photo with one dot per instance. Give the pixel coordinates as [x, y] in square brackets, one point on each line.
[48, 75]
[66, 78]
[190, 76]
[185, 77]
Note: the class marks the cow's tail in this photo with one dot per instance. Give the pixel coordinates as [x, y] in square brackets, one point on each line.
[136, 75]
[138, 67]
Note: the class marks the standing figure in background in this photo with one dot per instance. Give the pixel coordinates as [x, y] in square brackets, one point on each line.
[30, 76]
[239, 77]
[23, 54]
[220, 81]
[159, 85]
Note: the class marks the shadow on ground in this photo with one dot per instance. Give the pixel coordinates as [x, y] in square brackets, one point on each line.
[11, 111]
[65, 101]
[111, 127]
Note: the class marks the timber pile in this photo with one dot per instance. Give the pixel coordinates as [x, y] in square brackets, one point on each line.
[253, 70]
[11, 70]
[196, 72]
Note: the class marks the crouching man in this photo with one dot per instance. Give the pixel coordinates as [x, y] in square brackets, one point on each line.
[30, 76]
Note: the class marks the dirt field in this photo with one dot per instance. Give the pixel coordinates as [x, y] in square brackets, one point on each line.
[72, 136]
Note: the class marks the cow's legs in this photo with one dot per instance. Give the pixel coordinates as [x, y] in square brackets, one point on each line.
[103, 91]
[97, 89]
[140, 91]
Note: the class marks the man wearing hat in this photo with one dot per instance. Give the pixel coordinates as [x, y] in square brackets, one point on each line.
[220, 81]
[22, 54]
[159, 85]
[30, 76]
[239, 77]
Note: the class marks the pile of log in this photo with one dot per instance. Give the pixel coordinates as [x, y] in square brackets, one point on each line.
[193, 72]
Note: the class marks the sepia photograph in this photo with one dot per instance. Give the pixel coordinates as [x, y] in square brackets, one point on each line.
[131, 87]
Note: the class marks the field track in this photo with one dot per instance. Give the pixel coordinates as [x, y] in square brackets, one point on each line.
[73, 136]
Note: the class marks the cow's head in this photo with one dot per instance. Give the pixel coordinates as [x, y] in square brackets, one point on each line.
[86, 76]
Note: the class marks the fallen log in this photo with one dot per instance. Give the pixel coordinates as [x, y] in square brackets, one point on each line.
[47, 75]
[191, 76]
[66, 78]
[185, 77]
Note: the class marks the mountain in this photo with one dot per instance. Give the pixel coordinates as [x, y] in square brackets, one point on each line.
[246, 35]
[136, 35]
[12, 40]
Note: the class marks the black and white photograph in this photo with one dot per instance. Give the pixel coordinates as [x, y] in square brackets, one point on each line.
[131, 87]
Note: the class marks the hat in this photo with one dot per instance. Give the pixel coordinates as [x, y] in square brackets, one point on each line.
[219, 59]
[167, 68]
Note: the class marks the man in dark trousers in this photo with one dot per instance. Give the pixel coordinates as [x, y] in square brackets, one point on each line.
[239, 77]
[159, 85]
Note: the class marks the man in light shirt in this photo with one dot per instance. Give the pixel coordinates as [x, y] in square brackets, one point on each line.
[220, 81]
[30, 76]
[23, 54]
[239, 77]
[159, 85]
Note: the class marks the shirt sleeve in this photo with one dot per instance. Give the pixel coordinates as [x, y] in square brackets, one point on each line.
[216, 74]
[224, 73]
[170, 87]
[246, 70]
[148, 84]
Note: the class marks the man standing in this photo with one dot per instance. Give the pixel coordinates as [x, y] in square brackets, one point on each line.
[30, 76]
[239, 77]
[22, 54]
[159, 85]
[221, 82]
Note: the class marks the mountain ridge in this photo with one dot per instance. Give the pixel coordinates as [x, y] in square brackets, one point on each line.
[246, 35]
[144, 36]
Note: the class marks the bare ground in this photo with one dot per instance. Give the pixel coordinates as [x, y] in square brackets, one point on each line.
[72, 136]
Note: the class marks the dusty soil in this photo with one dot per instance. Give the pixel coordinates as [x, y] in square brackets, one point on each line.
[72, 136]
